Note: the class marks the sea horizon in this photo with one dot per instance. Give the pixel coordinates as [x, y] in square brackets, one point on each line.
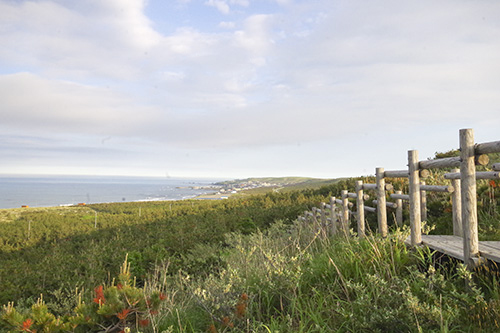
[64, 190]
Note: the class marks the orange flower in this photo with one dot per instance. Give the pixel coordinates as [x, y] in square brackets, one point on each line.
[122, 315]
[143, 322]
[492, 183]
[26, 325]
[99, 295]
[240, 310]
[212, 329]
[162, 296]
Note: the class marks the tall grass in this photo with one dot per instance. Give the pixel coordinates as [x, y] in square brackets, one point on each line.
[291, 278]
[295, 280]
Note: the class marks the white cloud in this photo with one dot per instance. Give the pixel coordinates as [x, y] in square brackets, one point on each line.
[306, 74]
[221, 5]
[35, 105]
[76, 38]
[186, 42]
[256, 36]
[224, 6]
[227, 25]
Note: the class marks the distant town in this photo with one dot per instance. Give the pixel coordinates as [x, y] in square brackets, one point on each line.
[223, 190]
[236, 186]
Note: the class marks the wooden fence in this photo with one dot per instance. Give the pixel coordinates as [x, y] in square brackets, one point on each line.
[463, 192]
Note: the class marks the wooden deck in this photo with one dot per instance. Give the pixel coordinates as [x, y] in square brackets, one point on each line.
[454, 247]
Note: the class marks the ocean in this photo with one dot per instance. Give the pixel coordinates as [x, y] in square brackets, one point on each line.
[50, 191]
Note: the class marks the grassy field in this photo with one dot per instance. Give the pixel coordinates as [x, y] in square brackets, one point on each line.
[238, 265]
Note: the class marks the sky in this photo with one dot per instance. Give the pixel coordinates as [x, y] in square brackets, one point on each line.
[242, 88]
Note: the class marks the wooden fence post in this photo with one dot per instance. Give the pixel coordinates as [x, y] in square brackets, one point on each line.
[323, 213]
[469, 197]
[399, 210]
[414, 189]
[323, 219]
[456, 202]
[360, 206]
[345, 213]
[316, 222]
[333, 216]
[423, 203]
[381, 208]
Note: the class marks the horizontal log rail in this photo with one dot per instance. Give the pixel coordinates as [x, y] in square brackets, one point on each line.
[479, 175]
[452, 162]
[437, 188]
[424, 173]
[400, 196]
[396, 174]
[447, 162]
[487, 147]
[340, 202]
[355, 196]
[388, 187]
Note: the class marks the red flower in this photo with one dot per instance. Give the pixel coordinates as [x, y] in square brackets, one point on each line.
[122, 315]
[99, 295]
[162, 296]
[26, 325]
[143, 322]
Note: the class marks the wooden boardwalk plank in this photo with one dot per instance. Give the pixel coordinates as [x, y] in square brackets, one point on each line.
[450, 245]
[453, 246]
[490, 250]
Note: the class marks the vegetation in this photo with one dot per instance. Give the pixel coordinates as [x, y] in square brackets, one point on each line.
[54, 251]
[238, 265]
